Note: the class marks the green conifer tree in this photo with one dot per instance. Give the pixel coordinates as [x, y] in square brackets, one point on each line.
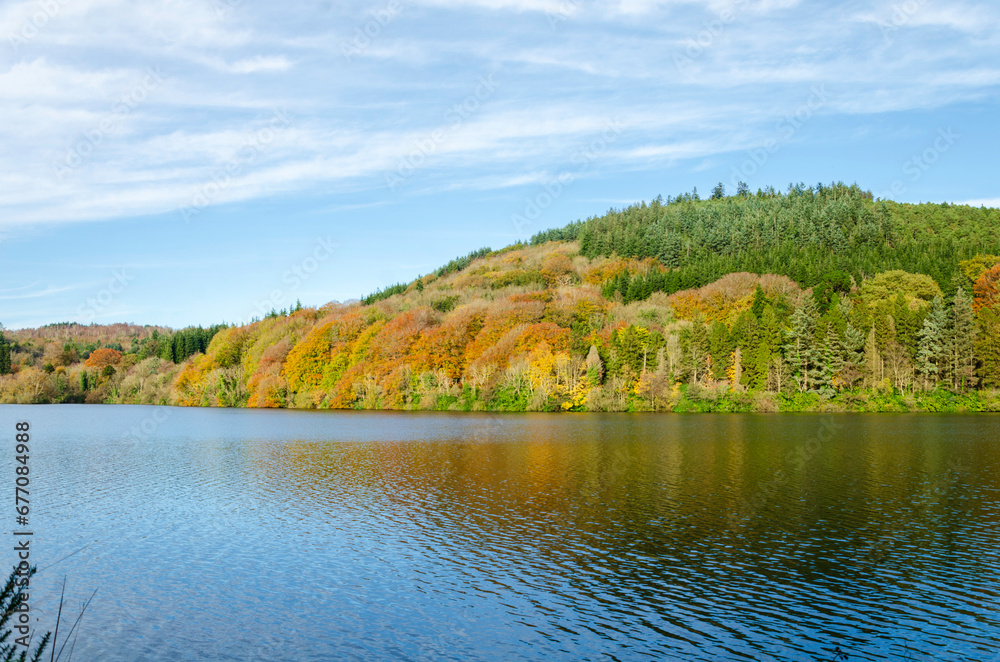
[800, 345]
[962, 342]
[4, 355]
[830, 355]
[874, 365]
[930, 344]
[759, 302]
[852, 369]
[721, 347]
[697, 350]
[988, 346]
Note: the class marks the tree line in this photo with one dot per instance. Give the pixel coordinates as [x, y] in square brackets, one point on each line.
[906, 338]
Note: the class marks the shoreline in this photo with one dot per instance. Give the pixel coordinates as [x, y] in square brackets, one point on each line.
[706, 401]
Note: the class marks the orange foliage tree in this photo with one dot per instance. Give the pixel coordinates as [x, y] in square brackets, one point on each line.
[266, 387]
[390, 350]
[558, 270]
[503, 316]
[554, 336]
[100, 358]
[444, 347]
[985, 289]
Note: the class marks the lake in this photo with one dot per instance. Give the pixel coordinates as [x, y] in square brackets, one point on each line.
[282, 535]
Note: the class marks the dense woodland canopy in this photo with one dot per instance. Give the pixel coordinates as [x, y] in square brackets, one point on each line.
[805, 234]
[820, 298]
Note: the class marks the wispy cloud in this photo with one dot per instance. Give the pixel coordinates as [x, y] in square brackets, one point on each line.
[226, 67]
[39, 294]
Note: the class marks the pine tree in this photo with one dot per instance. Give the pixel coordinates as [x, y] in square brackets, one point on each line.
[762, 343]
[884, 326]
[800, 344]
[854, 355]
[759, 303]
[830, 357]
[988, 346]
[697, 351]
[4, 355]
[167, 350]
[721, 348]
[907, 324]
[874, 366]
[962, 342]
[634, 291]
[930, 343]
[633, 345]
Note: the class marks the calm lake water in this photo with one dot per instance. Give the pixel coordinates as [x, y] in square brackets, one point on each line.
[281, 535]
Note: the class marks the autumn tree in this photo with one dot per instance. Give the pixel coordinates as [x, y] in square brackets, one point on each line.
[103, 357]
[305, 363]
[985, 290]
[988, 346]
[735, 371]
[972, 269]
[558, 270]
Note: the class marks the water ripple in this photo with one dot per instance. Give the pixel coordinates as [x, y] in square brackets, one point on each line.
[247, 536]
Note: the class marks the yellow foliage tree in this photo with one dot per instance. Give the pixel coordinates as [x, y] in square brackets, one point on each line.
[974, 268]
[305, 363]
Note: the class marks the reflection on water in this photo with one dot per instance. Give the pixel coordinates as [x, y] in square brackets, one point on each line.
[243, 535]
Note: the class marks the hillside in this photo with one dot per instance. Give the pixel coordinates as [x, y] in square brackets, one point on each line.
[818, 299]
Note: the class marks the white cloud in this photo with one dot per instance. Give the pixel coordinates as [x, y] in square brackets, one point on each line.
[258, 64]
[224, 73]
[497, 5]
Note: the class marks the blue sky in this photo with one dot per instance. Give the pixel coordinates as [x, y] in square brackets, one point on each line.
[188, 162]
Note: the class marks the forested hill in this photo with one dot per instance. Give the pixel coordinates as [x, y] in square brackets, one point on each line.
[805, 234]
[817, 299]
